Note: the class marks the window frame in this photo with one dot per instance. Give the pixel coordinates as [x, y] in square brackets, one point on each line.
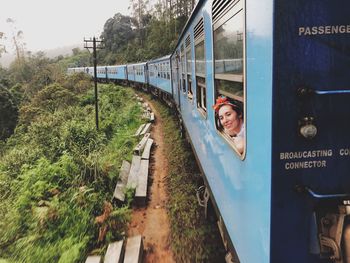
[202, 105]
[233, 9]
[188, 51]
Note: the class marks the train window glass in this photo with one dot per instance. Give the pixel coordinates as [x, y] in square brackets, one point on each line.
[173, 72]
[199, 53]
[228, 38]
[182, 67]
[189, 67]
[200, 59]
[188, 55]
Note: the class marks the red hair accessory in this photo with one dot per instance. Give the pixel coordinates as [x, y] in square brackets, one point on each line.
[220, 101]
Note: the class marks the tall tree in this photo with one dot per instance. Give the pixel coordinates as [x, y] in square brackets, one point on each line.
[141, 16]
[17, 39]
[2, 45]
[117, 32]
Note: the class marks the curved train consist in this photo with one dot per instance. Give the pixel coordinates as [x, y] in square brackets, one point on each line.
[286, 197]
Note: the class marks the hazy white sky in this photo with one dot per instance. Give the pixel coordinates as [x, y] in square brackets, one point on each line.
[49, 24]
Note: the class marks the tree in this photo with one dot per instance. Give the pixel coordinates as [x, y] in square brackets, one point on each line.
[8, 113]
[117, 32]
[2, 46]
[141, 18]
[17, 39]
[53, 97]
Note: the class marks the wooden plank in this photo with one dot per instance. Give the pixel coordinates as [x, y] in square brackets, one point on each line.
[134, 169]
[139, 148]
[134, 250]
[93, 259]
[119, 191]
[152, 118]
[147, 151]
[142, 126]
[114, 252]
[141, 189]
[146, 129]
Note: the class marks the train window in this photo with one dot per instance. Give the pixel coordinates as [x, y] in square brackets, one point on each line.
[189, 67]
[228, 37]
[168, 70]
[200, 67]
[182, 69]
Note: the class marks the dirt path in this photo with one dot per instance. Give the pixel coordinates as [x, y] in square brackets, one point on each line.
[152, 221]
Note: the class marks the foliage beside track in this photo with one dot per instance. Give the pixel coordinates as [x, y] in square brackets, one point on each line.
[57, 173]
[193, 238]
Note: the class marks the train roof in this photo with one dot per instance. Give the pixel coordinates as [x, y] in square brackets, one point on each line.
[167, 57]
[137, 64]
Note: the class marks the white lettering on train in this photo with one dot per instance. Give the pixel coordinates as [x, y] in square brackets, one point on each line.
[306, 154]
[305, 165]
[344, 152]
[324, 30]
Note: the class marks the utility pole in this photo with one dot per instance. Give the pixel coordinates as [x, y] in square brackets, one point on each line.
[87, 45]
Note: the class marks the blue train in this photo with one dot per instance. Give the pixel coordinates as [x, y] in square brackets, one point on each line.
[281, 69]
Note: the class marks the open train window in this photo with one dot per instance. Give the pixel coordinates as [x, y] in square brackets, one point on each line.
[189, 67]
[201, 91]
[229, 64]
[182, 68]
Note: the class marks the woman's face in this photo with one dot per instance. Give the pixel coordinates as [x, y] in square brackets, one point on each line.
[229, 120]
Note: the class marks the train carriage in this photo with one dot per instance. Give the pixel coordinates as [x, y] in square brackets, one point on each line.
[101, 73]
[117, 72]
[138, 73]
[160, 74]
[284, 197]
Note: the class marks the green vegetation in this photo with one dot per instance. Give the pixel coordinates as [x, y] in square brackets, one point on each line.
[149, 33]
[193, 238]
[57, 173]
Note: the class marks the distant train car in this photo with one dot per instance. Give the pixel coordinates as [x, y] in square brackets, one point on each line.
[75, 70]
[160, 74]
[262, 89]
[101, 73]
[117, 73]
[138, 73]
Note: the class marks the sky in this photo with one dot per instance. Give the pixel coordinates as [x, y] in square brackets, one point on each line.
[50, 24]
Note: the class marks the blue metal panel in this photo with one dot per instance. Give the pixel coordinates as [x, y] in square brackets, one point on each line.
[131, 72]
[311, 51]
[117, 72]
[101, 73]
